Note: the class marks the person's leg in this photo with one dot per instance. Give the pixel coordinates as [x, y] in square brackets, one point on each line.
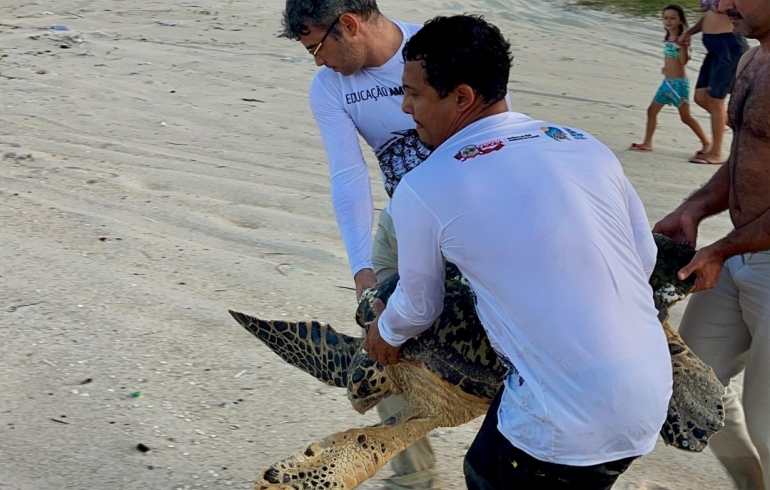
[686, 116]
[413, 468]
[482, 460]
[713, 327]
[521, 471]
[702, 85]
[726, 55]
[385, 248]
[652, 122]
[718, 112]
[753, 281]
[493, 463]
[682, 87]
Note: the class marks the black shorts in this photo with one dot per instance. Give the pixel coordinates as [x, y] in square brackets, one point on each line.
[723, 52]
[493, 463]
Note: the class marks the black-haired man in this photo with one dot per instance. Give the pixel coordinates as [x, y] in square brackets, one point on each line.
[556, 246]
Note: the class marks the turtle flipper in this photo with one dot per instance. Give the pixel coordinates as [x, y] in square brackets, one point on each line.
[695, 411]
[346, 459]
[313, 347]
[667, 288]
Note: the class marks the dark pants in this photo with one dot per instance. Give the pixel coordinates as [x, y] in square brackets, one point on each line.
[493, 463]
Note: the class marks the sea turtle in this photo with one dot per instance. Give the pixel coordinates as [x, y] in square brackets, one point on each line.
[449, 376]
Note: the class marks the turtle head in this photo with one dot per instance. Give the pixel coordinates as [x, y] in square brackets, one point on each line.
[667, 288]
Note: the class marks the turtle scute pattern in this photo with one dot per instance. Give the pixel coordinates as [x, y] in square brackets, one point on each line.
[695, 411]
[449, 377]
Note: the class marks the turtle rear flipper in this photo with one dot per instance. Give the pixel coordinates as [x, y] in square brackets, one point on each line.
[313, 347]
[346, 459]
[695, 411]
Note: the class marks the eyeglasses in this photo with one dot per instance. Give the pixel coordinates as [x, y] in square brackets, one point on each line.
[314, 50]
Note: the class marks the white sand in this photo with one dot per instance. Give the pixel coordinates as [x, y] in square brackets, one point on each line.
[140, 134]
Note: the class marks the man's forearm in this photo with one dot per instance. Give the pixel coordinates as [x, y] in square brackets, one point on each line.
[696, 28]
[712, 198]
[752, 237]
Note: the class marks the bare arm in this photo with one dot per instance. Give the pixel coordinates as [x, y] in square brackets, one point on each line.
[698, 27]
[751, 237]
[682, 224]
[712, 198]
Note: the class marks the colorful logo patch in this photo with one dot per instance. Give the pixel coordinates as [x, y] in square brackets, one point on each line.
[555, 133]
[472, 151]
[576, 135]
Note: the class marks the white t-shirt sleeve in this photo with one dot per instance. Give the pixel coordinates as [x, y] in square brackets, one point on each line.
[419, 296]
[643, 239]
[351, 191]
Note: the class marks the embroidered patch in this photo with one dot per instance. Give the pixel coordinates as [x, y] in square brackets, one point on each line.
[555, 133]
[472, 151]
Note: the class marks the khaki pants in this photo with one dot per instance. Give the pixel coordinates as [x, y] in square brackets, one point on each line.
[414, 467]
[728, 327]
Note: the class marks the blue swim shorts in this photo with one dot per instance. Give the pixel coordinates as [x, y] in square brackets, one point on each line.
[673, 91]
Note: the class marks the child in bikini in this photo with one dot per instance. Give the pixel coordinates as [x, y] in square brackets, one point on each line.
[675, 89]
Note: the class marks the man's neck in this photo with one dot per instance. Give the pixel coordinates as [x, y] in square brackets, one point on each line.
[476, 114]
[384, 39]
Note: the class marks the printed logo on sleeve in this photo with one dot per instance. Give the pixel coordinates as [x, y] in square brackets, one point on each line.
[555, 133]
[575, 134]
[472, 151]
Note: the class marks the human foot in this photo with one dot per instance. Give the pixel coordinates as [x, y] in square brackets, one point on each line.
[640, 147]
[705, 160]
[703, 151]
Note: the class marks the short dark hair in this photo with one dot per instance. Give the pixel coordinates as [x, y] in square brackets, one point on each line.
[462, 49]
[301, 14]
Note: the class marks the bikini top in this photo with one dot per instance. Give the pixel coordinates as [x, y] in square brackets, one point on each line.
[672, 49]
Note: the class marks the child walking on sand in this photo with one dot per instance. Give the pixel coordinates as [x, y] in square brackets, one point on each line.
[675, 89]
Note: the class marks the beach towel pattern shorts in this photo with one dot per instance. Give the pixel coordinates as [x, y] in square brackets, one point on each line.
[673, 91]
[723, 52]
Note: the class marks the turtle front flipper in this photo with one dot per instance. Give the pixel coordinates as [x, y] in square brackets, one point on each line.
[346, 459]
[667, 288]
[695, 411]
[313, 347]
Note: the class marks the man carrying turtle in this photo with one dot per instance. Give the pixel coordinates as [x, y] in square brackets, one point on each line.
[358, 92]
[556, 246]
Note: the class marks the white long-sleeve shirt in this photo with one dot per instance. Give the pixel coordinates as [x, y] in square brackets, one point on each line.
[368, 103]
[555, 243]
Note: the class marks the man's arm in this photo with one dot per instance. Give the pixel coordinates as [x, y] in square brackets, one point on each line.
[640, 225]
[712, 198]
[351, 192]
[751, 237]
[698, 27]
[682, 224]
[419, 296]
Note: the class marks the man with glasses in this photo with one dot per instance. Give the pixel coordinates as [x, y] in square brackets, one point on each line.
[359, 91]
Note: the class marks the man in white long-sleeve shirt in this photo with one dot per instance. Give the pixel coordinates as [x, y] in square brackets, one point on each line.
[555, 244]
[358, 91]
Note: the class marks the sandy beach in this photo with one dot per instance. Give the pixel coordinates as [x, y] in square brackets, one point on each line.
[160, 165]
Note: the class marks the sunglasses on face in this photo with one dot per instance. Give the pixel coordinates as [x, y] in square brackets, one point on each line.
[315, 49]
